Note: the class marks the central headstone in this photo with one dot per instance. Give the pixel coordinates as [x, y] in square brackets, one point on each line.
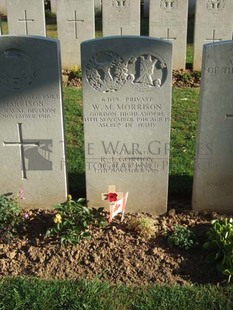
[213, 178]
[32, 152]
[168, 21]
[26, 17]
[75, 23]
[127, 102]
[121, 17]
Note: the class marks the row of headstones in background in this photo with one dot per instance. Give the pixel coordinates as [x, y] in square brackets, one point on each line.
[146, 7]
[32, 147]
[76, 23]
[97, 3]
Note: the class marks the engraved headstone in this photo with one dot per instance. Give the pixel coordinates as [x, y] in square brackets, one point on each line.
[75, 23]
[168, 21]
[32, 152]
[213, 178]
[121, 17]
[213, 23]
[26, 17]
[127, 101]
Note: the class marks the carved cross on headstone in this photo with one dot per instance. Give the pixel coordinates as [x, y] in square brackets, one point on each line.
[213, 39]
[112, 196]
[75, 21]
[25, 20]
[21, 144]
[168, 36]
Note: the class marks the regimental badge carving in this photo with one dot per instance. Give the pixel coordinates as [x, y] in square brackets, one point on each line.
[168, 5]
[215, 6]
[16, 69]
[106, 72]
[120, 4]
[147, 72]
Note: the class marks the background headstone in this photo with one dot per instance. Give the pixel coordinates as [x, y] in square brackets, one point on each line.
[26, 17]
[168, 21]
[121, 17]
[53, 5]
[213, 178]
[32, 152]
[75, 23]
[98, 7]
[213, 23]
[3, 10]
[127, 101]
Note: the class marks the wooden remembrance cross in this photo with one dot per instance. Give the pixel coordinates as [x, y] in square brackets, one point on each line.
[112, 190]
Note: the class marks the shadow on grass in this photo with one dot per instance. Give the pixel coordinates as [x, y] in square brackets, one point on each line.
[77, 185]
[180, 187]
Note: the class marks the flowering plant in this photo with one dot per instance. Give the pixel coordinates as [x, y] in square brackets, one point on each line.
[10, 220]
[73, 219]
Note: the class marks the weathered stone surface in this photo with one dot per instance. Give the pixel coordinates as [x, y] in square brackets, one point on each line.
[26, 17]
[121, 17]
[32, 154]
[75, 23]
[213, 23]
[127, 101]
[168, 21]
[213, 178]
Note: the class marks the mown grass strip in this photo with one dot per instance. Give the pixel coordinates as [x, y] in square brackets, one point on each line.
[36, 294]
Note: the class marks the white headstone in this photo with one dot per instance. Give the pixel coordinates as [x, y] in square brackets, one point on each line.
[75, 23]
[121, 17]
[53, 6]
[3, 10]
[213, 178]
[168, 21]
[32, 153]
[26, 17]
[213, 23]
[127, 102]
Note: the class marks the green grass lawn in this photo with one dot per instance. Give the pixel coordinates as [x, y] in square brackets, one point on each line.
[35, 294]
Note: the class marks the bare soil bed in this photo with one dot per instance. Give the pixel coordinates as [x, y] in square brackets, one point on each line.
[113, 253]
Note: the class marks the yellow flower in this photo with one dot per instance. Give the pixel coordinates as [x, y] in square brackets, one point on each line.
[57, 219]
[69, 198]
